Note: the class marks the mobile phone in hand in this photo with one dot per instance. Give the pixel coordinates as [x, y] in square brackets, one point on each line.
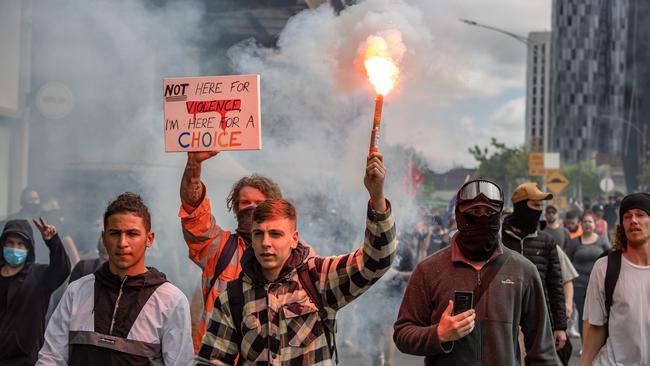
[463, 301]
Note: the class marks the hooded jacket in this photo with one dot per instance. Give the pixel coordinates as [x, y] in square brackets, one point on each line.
[105, 320]
[281, 326]
[541, 249]
[28, 296]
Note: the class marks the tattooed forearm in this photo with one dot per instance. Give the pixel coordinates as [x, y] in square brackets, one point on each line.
[191, 187]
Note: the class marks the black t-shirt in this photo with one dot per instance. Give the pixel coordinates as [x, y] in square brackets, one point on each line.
[4, 289]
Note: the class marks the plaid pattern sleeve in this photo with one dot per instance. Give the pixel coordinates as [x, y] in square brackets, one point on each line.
[220, 345]
[344, 278]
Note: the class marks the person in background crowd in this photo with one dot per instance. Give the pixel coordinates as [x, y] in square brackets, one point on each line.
[618, 335]
[611, 211]
[486, 333]
[554, 227]
[569, 274]
[572, 223]
[88, 266]
[25, 289]
[125, 313]
[30, 209]
[601, 225]
[520, 233]
[583, 252]
[53, 213]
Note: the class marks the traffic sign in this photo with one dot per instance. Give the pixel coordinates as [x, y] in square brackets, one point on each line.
[536, 164]
[607, 184]
[556, 181]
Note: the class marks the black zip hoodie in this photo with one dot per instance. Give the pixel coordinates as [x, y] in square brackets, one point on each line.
[22, 325]
[118, 302]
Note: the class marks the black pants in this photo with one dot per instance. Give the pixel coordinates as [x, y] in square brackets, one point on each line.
[579, 294]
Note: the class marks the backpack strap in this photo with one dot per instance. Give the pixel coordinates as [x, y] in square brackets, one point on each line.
[489, 274]
[235, 290]
[611, 277]
[308, 284]
[228, 251]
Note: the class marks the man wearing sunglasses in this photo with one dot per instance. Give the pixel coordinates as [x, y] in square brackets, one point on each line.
[501, 291]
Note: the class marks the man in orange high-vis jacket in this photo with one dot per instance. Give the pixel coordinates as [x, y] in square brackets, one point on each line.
[208, 242]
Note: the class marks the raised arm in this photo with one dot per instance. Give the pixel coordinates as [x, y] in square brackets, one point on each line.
[201, 233]
[191, 187]
[59, 267]
[344, 278]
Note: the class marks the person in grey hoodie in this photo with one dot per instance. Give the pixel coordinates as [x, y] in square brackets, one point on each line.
[507, 294]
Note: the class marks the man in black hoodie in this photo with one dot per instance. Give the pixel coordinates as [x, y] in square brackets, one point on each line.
[25, 289]
[520, 234]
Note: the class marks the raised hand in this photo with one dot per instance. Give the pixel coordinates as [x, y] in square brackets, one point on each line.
[200, 156]
[47, 231]
[374, 181]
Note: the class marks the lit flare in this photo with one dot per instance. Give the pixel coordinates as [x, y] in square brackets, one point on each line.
[381, 68]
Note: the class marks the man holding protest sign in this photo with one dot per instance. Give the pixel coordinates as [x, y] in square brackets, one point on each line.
[215, 250]
[282, 309]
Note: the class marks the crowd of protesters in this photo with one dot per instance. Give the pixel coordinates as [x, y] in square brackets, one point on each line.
[478, 284]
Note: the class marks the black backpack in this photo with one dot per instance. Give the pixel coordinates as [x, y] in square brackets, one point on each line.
[235, 291]
[611, 277]
[225, 257]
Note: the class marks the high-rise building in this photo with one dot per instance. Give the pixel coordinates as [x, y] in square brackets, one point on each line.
[538, 80]
[589, 44]
[637, 93]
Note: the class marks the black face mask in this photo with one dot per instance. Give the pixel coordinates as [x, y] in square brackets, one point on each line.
[32, 208]
[245, 223]
[525, 218]
[478, 237]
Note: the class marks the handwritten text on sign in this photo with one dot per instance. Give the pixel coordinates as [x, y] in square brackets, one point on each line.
[212, 113]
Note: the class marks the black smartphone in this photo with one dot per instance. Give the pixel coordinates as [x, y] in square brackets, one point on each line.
[463, 301]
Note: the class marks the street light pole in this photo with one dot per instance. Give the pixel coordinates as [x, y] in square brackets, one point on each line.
[529, 43]
[519, 38]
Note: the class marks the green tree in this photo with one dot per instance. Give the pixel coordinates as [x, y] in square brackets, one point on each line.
[583, 178]
[506, 166]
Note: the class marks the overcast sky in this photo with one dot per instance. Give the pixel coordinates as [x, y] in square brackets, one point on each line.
[459, 85]
[488, 70]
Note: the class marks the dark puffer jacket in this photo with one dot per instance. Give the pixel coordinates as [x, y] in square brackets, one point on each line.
[23, 323]
[540, 248]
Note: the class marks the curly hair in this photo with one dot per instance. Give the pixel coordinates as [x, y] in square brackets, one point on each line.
[269, 188]
[131, 203]
[620, 240]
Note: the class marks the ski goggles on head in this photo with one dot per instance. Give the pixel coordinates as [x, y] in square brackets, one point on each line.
[480, 192]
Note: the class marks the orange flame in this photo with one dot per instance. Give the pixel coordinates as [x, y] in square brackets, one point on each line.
[380, 66]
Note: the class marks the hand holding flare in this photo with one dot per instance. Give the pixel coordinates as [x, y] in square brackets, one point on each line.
[382, 72]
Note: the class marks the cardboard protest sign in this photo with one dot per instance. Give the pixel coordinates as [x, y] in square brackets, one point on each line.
[212, 113]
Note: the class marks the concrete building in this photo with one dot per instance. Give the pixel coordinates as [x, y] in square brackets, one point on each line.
[538, 81]
[15, 43]
[600, 107]
[588, 83]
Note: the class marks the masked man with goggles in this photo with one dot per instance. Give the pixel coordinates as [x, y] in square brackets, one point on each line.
[496, 291]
